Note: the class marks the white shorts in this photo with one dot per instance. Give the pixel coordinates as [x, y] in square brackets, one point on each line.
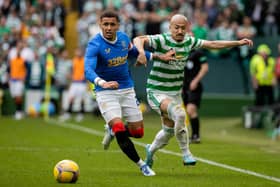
[119, 104]
[77, 90]
[16, 88]
[155, 99]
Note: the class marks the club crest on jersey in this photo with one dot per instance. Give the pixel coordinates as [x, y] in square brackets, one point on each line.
[189, 64]
[107, 51]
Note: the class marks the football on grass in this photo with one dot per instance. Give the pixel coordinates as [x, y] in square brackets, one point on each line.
[66, 171]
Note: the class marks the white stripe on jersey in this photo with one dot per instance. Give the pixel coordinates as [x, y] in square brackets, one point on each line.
[167, 84]
[166, 75]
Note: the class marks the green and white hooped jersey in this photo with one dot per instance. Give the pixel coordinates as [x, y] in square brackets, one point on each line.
[168, 76]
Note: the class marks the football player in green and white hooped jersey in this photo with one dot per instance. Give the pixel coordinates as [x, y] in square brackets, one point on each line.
[166, 78]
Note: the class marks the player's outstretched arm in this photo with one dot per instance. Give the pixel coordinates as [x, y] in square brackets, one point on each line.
[220, 44]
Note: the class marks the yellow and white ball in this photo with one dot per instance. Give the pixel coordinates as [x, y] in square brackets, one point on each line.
[66, 171]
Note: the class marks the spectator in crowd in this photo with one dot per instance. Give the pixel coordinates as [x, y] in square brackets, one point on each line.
[246, 30]
[211, 9]
[113, 4]
[78, 87]
[4, 29]
[277, 73]
[270, 26]
[48, 13]
[4, 78]
[35, 74]
[155, 18]
[82, 27]
[185, 8]
[163, 11]
[18, 70]
[140, 18]
[236, 14]
[257, 11]
[59, 16]
[13, 21]
[4, 75]
[277, 16]
[6, 7]
[93, 8]
[262, 70]
[62, 75]
[200, 28]
[225, 31]
[126, 22]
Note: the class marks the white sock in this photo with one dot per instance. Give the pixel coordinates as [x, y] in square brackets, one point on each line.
[140, 163]
[178, 115]
[183, 141]
[162, 138]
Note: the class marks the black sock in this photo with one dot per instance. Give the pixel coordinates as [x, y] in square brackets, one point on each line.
[195, 126]
[19, 106]
[127, 146]
[127, 131]
[82, 108]
[69, 109]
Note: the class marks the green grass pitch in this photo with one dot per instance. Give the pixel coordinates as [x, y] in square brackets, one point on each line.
[228, 156]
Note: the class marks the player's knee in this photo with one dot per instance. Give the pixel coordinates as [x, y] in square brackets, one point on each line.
[137, 133]
[181, 113]
[118, 127]
[176, 112]
[192, 110]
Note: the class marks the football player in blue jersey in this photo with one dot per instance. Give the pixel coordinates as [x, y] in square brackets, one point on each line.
[107, 67]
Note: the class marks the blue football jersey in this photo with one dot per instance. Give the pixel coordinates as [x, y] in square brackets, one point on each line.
[108, 60]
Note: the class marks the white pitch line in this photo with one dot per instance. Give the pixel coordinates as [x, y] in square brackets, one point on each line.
[98, 133]
[53, 149]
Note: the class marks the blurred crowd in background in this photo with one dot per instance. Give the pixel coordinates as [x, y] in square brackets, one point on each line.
[210, 19]
[34, 30]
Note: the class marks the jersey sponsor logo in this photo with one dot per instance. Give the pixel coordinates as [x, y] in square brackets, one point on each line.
[117, 61]
[179, 57]
[180, 61]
